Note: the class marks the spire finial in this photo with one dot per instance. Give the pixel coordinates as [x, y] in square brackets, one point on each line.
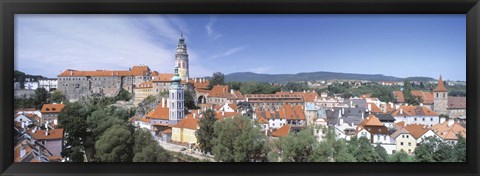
[181, 31]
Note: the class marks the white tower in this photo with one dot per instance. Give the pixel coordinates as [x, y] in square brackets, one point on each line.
[176, 109]
[181, 59]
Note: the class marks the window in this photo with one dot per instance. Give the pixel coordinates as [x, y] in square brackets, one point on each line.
[423, 119]
[401, 143]
[431, 119]
[409, 144]
[415, 119]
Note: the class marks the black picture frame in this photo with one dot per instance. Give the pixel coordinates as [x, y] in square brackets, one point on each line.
[8, 8]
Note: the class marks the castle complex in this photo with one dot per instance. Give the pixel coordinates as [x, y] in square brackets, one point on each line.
[76, 84]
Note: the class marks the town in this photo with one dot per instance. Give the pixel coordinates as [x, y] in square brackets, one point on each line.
[141, 115]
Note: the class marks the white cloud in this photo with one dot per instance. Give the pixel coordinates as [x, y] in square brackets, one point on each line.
[229, 52]
[213, 35]
[48, 44]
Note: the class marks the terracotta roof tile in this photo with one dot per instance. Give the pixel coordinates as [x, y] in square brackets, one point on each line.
[282, 131]
[449, 132]
[416, 130]
[163, 77]
[52, 134]
[219, 91]
[440, 87]
[134, 71]
[413, 111]
[50, 108]
[160, 112]
[188, 122]
[148, 84]
[222, 115]
[375, 108]
[457, 102]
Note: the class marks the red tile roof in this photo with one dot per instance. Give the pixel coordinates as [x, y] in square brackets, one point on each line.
[148, 84]
[160, 112]
[375, 108]
[188, 122]
[219, 91]
[440, 87]
[163, 77]
[416, 130]
[222, 115]
[413, 111]
[49, 108]
[449, 132]
[457, 102]
[307, 96]
[134, 71]
[52, 134]
[282, 131]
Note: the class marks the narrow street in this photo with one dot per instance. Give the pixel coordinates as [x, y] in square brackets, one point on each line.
[177, 148]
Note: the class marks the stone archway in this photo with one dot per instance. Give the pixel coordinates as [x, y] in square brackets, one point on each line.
[201, 99]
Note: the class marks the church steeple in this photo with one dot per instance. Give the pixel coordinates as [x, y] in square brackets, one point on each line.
[440, 87]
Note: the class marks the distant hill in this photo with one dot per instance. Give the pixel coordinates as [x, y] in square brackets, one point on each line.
[313, 76]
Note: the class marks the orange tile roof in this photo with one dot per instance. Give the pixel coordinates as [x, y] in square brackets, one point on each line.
[457, 102]
[49, 108]
[264, 98]
[160, 112]
[188, 122]
[440, 87]
[148, 84]
[426, 97]
[54, 158]
[262, 120]
[163, 77]
[18, 148]
[371, 120]
[52, 134]
[282, 131]
[134, 71]
[375, 108]
[167, 131]
[399, 96]
[416, 130]
[222, 115]
[414, 111]
[307, 96]
[292, 112]
[154, 73]
[219, 91]
[199, 84]
[145, 119]
[449, 132]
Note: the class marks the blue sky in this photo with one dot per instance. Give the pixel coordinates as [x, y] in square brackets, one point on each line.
[394, 45]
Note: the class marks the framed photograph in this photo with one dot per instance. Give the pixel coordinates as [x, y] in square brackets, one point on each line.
[225, 87]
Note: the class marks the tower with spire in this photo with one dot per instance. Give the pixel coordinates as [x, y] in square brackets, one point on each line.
[181, 58]
[176, 96]
[440, 94]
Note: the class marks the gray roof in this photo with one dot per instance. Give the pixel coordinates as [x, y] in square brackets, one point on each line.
[385, 117]
[349, 115]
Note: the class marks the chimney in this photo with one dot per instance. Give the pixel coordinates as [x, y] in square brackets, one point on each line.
[421, 104]
[163, 102]
[231, 91]
[442, 119]
[223, 113]
[343, 110]
[23, 152]
[194, 115]
[401, 111]
[291, 91]
[450, 122]
[304, 91]
[46, 132]
[71, 72]
[363, 115]
[369, 107]
[340, 121]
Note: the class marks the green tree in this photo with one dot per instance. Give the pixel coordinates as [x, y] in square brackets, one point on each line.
[425, 151]
[364, 152]
[299, 147]
[40, 97]
[237, 139]
[58, 97]
[99, 121]
[342, 153]
[407, 94]
[382, 155]
[115, 145]
[123, 95]
[460, 149]
[401, 156]
[218, 78]
[146, 149]
[205, 133]
[383, 94]
[190, 99]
